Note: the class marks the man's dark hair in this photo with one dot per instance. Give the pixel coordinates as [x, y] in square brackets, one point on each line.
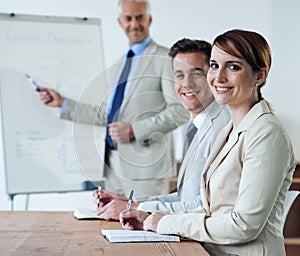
[186, 45]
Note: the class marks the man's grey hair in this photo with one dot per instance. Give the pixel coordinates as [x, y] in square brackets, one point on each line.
[120, 6]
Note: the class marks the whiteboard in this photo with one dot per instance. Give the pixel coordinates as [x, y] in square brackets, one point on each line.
[63, 53]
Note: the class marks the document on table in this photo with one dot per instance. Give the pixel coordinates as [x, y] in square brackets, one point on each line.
[83, 214]
[129, 236]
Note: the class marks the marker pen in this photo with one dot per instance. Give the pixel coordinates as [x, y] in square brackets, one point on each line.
[38, 88]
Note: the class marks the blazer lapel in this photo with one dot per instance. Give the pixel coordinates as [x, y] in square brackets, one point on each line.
[220, 150]
[224, 147]
[212, 112]
[193, 152]
[144, 62]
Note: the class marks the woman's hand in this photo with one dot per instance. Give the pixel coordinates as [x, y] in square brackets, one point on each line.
[151, 222]
[133, 219]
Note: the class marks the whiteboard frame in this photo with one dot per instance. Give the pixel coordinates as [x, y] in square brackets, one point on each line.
[48, 19]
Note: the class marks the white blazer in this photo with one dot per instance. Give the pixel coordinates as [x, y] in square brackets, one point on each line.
[243, 189]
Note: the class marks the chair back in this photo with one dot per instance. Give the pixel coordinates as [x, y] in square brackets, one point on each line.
[289, 200]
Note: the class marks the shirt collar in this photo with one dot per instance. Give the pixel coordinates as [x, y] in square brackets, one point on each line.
[199, 119]
[140, 47]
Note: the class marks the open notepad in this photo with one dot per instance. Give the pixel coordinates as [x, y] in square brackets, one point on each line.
[129, 236]
[83, 214]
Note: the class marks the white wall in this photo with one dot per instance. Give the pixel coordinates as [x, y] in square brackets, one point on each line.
[172, 20]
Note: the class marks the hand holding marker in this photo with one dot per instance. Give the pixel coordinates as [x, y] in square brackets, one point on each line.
[38, 88]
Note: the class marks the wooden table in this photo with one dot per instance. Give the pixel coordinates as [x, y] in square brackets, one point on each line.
[59, 233]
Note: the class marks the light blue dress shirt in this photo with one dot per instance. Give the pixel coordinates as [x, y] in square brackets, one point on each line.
[139, 50]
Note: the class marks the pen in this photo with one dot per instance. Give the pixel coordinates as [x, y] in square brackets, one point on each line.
[99, 198]
[129, 203]
[38, 88]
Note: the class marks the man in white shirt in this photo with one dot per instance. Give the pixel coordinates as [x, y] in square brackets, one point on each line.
[190, 65]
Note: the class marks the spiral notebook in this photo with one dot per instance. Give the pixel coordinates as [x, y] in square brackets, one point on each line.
[130, 236]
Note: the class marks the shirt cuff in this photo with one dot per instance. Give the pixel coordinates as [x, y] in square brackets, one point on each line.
[63, 105]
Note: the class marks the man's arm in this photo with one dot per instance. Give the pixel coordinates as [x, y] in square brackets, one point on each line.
[169, 203]
[84, 113]
[73, 110]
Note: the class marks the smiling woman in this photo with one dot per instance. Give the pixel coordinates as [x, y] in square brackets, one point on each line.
[242, 207]
[238, 70]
